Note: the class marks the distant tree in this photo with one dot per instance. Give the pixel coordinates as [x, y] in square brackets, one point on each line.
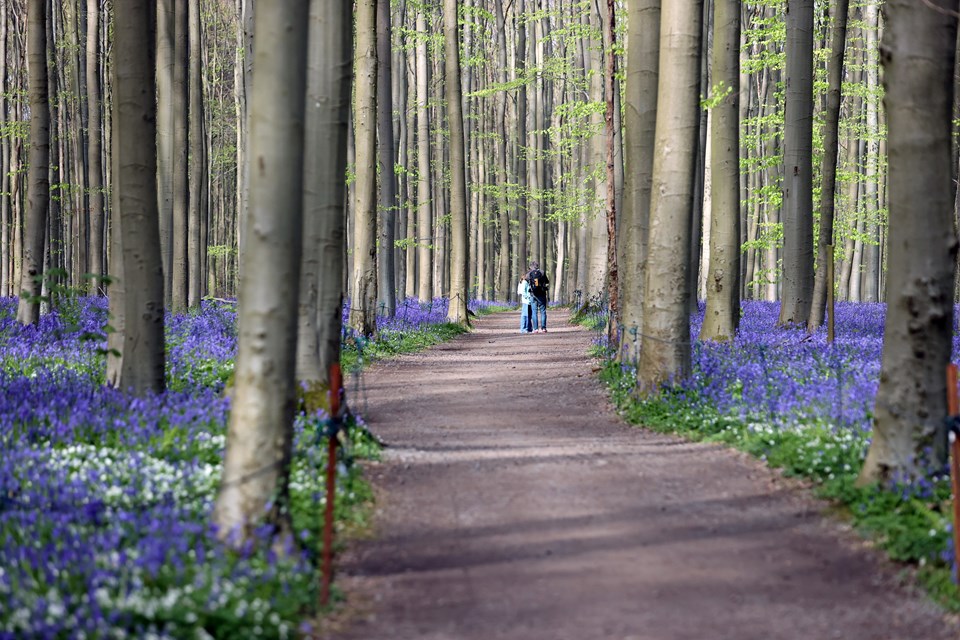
[723, 272]
[797, 292]
[424, 235]
[828, 173]
[94, 164]
[459, 254]
[135, 196]
[665, 353]
[389, 209]
[363, 304]
[180, 165]
[260, 434]
[919, 49]
[38, 179]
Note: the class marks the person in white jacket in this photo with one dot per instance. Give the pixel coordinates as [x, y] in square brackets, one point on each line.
[526, 300]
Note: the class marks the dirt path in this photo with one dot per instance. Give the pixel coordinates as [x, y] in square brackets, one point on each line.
[514, 503]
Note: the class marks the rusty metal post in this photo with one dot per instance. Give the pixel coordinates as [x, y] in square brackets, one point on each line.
[953, 407]
[830, 309]
[336, 384]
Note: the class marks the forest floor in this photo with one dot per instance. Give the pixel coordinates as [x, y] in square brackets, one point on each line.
[513, 502]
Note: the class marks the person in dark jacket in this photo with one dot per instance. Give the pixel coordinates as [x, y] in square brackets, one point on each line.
[539, 282]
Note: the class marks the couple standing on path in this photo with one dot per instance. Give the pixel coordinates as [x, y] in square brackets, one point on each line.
[533, 300]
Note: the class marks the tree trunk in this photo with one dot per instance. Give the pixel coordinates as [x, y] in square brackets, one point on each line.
[387, 278]
[871, 248]
[797, 291]
[165, 134]
[665, 353]
[329, 72]
[918, 49]
[723, 287]
[613, 285]
[179, 229]
[459, 253]
[363, 306]
[135, 196]
[38, 178]
[424, 205]
[94, 164]
[831, 149]
[640, 116]
[260, 435]
[198, 165]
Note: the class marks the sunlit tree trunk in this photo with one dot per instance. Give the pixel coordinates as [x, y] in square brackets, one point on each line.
[389, 210]
[329, 71]
[424, 233]
[181, 195]
[828, 173]
[363, 306]
[723, 272]
[38, 179]
[165, 125]
[918, 51]
[797, 293]
[135, 196]
[198, 164]
[665, 353]
[459, 254]
[95, 165]
[260, 434]
[640, 118]
[871, 248]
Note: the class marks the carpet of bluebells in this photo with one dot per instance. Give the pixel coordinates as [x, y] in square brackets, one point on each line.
[805, 405]
[105, 497]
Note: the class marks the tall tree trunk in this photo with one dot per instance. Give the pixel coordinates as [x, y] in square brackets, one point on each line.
[640, 116]
[723, 287]
[135, 193]
[94, 163]
[665, 353]
[871, 248]
[165, 136]
[181, 197]
[260, 435]
[329, 71]
[363, 306]
[613, 285]
[38, 178]
[918, 46]
[797, 292]
[389, 209]
[459, 254]
[828, 173]
[424, 234]
[198, 165]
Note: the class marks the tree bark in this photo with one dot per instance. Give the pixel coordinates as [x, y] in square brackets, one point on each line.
[917, 51]
[424, 235]
[94, 151]
[135, 193]
[363, 306]
[181, 197]
[165, 134]
[459, 253]
[722, 314]
[38, 179]
[198, 164]
[828, 173]
[665, 353]
[260, 434]
[389, 209]
[797, 293]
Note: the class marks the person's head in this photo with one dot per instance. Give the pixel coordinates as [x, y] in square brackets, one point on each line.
[534, 265]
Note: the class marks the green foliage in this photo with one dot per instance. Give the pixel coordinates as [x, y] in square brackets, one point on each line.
[391, 343]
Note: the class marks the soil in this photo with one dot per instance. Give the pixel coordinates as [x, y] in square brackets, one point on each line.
[513, 502]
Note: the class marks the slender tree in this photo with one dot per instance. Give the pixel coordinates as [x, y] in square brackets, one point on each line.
[94, 161]
[797, 292]
[424, 205]
[665, 354]
[389, 209]
[919, 49]
[363, 305]
[723, 273]
[198, 162]
[459, 256]
[828, 173]
[260, 434]
[38, 179]
[135, 196]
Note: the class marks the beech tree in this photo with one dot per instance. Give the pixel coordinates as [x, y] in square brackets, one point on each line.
[665, 353]
[38, 180]
[135, 197]
[260, 434]
[919, 50]
[457, 310]
[722, 314]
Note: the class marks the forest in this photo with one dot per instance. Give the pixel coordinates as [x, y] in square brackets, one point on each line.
[216, 215]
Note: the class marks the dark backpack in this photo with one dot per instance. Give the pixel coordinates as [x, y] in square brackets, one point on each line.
[538, 283]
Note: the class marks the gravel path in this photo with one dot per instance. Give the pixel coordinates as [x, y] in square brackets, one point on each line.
[514, 503]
